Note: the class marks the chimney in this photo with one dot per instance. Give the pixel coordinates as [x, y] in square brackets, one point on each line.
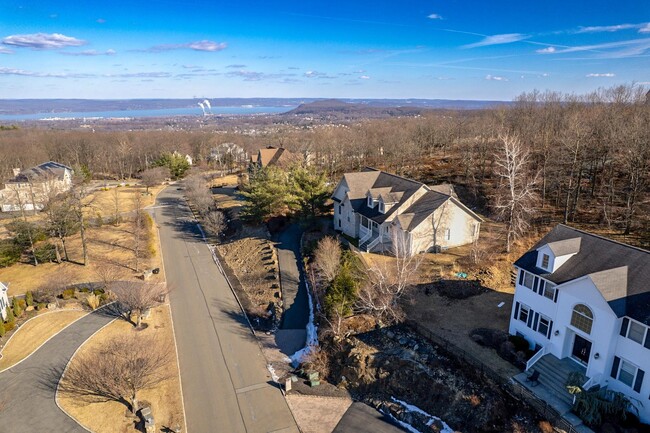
[16, 171]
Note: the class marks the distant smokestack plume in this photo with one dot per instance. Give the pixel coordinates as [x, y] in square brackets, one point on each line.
[202, 107]
[207, 104]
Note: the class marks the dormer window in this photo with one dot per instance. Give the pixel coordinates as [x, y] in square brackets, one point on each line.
[545, 260]
[370, 201]
[382, 208]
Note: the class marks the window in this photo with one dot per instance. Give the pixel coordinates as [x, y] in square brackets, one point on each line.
[547, 290]
[528, 280]
[370, 201]
[364, 222]
[635, 331]
[544, 325]
[339, 223]
[448, 234]
[524, 312]
[545, 259]
[381, 207]
[627, 373]
[582, 318]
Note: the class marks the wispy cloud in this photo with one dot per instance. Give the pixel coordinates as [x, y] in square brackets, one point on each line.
[6, 51]
[645, 29]
[236, 66]
[42, 41]
[609, 29]
[203, 45]
[506, 38]
[364, 77]
[109, 52]
[613, 50]
[101, 20]
[547, 50]
[495, 78]
[435, 16]
[24, 73]
[605, 75]
[258, 76]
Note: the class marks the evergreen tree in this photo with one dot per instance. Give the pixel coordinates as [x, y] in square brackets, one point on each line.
[10, 315]
[16, 308]
[175, 162]
[266, 194]
[3, 331]
[309, 191]
[29, 299]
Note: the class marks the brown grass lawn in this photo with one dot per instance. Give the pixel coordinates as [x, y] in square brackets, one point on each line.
[165, 400]
[34, 333]
[108, 246]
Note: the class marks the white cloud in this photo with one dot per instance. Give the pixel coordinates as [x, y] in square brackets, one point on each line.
[645, 28]
[435, 17]
[495, 78]
[43, 41]
[203, 45]
[610, 29]
[364, 77]
[608, 74]
[6, 51]
[618, 49]
[547, 50]
[109, 52]
[507, 38]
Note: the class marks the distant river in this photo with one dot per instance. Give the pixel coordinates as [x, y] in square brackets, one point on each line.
[165, 112]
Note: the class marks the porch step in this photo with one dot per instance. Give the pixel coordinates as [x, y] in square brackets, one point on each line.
[554, 373]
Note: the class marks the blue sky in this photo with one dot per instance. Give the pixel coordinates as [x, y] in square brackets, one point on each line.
[366, 49]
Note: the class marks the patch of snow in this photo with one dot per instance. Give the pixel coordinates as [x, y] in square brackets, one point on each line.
[312, 335]
[432, 418]
[274, 375]
[408, 427]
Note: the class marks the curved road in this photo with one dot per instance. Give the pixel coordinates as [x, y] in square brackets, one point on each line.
[226, 386]
[27, 390]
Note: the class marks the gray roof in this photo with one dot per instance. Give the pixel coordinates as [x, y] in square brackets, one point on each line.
[565, 247]
[620, 272]
[424, 207]
[42, 172]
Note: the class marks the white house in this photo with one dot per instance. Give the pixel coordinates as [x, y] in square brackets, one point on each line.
[31, 189]
[4, 300]
[378, 207]
[584, 302]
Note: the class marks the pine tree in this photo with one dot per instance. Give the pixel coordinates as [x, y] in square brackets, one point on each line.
[266, 194]
[29, 299]
[10, 315]
[3, 331]
[309, 191]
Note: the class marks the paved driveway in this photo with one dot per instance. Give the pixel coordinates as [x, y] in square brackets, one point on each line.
[27, 390]
[226, 386]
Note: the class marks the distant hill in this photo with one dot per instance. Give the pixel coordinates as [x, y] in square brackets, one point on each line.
[335, 107]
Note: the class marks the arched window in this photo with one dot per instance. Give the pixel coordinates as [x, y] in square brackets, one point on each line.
[582, 318]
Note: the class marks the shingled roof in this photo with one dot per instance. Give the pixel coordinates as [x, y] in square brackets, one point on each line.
[620, 272]
[40, 173]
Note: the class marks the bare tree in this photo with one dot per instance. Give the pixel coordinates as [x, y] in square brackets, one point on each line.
[327, 258]
[516, 197]
[214, 222]
[118, 370]
[388, 280]
[107, 274]
[79, 202]
[61, 220]
[133, 297]
[116, 207]
[153, 176]
[138, 229]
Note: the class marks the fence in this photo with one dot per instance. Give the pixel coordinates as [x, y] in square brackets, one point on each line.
[509, 386]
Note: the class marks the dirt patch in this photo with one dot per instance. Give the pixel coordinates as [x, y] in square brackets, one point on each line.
[396, 362]
[253, 259]
[454, 289]
[165, 400]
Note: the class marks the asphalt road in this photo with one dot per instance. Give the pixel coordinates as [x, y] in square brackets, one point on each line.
[27, 390]
[226, 385]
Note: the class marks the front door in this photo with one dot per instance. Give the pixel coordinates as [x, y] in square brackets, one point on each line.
[581, 349]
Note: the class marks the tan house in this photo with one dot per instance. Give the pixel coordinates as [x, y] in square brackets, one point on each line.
[31, 189]
[380, 209]
[276, 156]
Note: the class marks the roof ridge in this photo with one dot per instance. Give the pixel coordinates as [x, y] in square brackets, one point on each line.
[604, 238]
[397, 175]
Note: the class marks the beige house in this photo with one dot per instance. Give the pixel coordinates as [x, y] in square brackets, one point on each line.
[382, 209]
[31, 189]
[270, 155]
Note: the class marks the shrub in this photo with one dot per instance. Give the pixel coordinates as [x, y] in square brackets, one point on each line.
[521, 344]
[3, 331]
[9, 253]
[103, 297]
[10, 315]
[67, 294]
[98, 292]
[99, 221]
[17, 310]
[41, 306]
[9, 326]
[93, 301]
[84, 290]
[45, 252]
[29, 299]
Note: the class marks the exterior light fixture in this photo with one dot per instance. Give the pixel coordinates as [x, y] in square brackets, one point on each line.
[556, 333]
[597, 355]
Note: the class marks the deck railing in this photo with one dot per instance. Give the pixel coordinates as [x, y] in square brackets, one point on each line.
[536, 357]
